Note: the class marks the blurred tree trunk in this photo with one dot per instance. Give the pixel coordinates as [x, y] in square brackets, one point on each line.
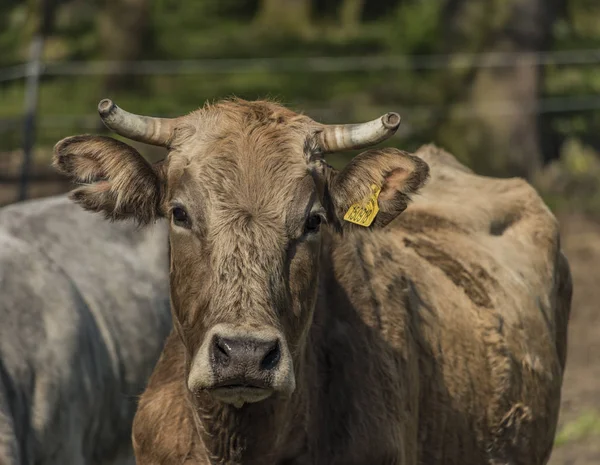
[124, 27]
[501, 132]
[284, 17]
[351, 13]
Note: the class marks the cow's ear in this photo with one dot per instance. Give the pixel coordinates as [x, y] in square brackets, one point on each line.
[115, 178]
[375, 187]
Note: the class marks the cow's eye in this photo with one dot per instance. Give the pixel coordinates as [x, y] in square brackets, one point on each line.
[313, 224]
[180, 217]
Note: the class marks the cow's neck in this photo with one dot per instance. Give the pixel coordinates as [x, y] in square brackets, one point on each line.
[262, 433]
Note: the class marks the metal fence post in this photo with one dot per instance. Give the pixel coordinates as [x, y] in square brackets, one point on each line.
[31, 102]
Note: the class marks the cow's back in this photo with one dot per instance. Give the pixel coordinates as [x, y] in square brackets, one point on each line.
[84, 311]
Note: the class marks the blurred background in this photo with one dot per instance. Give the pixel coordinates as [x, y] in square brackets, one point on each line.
[510, 87]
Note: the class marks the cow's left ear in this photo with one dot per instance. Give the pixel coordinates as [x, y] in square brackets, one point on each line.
[375, 187]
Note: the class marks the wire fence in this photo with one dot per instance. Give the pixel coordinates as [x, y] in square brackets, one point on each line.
[554, 105]
[324, 64]
[314, 65]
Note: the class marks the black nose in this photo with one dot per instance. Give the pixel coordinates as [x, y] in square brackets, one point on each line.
[244, 355]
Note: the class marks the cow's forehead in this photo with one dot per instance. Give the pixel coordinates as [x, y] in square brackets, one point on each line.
[228, 122]
[253, 162]
[262, 190]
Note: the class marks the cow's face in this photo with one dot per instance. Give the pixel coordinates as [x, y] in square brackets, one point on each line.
[248, 196]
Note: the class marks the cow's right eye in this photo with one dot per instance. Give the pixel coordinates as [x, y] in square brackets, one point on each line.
[313, 224]
[180, 217]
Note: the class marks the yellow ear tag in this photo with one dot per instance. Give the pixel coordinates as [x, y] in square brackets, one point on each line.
[364, 214]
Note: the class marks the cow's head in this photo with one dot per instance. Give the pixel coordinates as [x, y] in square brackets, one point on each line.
[247, 193]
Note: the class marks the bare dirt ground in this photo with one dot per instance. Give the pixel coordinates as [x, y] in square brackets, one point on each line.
[578, 438]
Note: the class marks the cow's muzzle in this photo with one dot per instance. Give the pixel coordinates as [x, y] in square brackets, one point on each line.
[238, 366]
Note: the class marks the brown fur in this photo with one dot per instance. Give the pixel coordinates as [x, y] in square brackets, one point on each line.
[438, 339]
[117, 180]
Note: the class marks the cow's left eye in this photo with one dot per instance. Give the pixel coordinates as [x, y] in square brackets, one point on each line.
[180, 217]
[313, 224]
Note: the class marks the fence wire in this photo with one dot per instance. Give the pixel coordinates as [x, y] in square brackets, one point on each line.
[309, 64]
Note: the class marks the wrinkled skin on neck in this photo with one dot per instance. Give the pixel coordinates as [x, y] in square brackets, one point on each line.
[261, 433]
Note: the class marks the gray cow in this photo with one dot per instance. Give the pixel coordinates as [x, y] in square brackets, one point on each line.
[83, 315]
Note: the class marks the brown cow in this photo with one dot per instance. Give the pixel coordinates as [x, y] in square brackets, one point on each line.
[302, 338]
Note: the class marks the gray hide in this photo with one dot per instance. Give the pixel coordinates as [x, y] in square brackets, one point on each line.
[84, 312]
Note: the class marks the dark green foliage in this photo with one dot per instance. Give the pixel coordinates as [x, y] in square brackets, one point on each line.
[436, 103]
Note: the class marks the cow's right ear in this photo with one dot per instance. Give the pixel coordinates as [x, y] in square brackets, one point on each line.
[115, 178]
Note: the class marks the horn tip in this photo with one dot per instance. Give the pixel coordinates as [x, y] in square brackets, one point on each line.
[105, 106]
[391, 120]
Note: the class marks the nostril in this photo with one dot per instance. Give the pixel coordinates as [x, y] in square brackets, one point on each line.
[221, 351]
[223, 348]
[271, 359]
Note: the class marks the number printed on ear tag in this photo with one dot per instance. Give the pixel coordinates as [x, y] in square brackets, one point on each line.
[364, 213]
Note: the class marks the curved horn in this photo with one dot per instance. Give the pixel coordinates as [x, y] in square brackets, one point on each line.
[335, 138]
[155, 131]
